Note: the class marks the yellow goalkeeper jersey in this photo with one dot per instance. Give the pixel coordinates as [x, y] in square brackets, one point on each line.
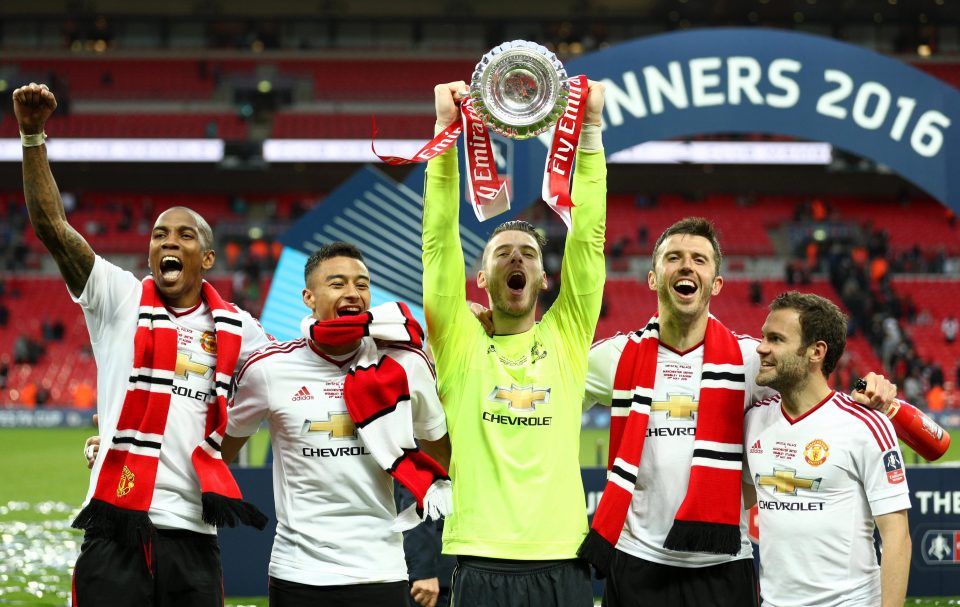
[513, 403]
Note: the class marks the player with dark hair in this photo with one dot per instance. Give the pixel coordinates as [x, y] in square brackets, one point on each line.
[823, 470]
[513, 400]
[333, 490]
[166, 349]
[668, 530]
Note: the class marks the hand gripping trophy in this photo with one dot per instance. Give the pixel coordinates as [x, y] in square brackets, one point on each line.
[520, 90]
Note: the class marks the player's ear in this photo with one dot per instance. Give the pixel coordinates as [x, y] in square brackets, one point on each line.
[652, 280]
[818, 351]
[482, 279]
[209, 258]
[717, 285]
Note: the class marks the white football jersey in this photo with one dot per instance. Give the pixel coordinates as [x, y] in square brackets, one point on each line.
[664, 472]
[334, 503]
[820, 480]
[110, 302]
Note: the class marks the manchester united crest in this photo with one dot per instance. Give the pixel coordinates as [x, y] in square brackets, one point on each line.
[126, 482]
[816, 452]
[208, 341]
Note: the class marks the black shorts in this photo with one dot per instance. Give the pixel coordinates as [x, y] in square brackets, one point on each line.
[169, 569]
[634, 582]
[380, 594]
[481, 582]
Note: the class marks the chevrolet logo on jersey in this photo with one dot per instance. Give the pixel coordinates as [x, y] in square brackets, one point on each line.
[337, 426]
[520, 398]
[786, 482]
[185, 366]
[677, 406]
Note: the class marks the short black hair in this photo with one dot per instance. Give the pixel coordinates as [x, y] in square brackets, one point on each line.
[693, 226]
[519, 225]
[820, 320]
[204, 231]
[329, 251]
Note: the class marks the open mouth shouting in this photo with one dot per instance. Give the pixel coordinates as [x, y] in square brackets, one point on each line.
[170, 268]
[685, 288]
[516, 282]
[349, 310]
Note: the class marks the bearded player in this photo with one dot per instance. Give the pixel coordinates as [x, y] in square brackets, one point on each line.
[823, 471]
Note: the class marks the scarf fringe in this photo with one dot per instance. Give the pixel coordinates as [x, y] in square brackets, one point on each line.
[698, 536]
[221, 511]
[101, 519]
[597, 551]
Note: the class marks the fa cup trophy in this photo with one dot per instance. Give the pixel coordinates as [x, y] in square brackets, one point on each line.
[519, 89]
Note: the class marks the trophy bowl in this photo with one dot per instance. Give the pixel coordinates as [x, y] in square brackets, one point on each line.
[519, 89]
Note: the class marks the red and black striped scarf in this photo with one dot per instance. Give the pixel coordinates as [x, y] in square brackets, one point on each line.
[708, 519]
[377, 395]
[125, 483]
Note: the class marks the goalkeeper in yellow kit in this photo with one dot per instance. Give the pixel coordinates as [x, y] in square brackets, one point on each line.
[513, 401]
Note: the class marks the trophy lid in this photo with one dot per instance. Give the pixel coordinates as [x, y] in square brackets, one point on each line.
[519, 89]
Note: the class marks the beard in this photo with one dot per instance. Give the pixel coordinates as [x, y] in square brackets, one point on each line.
[790, 371]
[502, 303]
[666, 302]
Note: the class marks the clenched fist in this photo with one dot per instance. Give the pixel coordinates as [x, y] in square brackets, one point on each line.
[32, 105]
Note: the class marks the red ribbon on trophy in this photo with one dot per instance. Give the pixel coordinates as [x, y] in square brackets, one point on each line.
[559, 168]
[510, 65]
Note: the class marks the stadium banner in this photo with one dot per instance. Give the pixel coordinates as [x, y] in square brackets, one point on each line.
[934, 528]
[754, 80]
[46, 417]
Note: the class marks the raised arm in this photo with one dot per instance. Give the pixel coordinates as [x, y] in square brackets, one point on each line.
[583, 269]
[32, 105]
[444, 278]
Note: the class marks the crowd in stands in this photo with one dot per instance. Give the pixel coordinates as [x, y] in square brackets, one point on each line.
[244, 267]
[858, 259]
[860, 264]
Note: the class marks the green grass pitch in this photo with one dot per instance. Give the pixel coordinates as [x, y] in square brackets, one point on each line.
[43, 479]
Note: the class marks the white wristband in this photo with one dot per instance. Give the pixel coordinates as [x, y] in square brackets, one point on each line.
[590, 138]
[32, 141]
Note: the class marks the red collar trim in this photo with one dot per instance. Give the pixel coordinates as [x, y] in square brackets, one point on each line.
[807, 414]
[185, 312]
[333, 361]
[685, 352]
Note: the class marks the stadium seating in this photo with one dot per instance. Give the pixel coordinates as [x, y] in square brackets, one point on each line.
[299, 125]
[394, 79]
[350, 79]
[921, 222]
[46, 299]
[64, 363]
[939, 298]
[166, 126]
[948, 72]
[99, 76]
[749, 224]
[97, 218]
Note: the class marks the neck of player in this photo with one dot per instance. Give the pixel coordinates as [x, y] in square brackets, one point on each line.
[337, 350]
[682, 333]
[182, 301]
[805, 395]
[512, 325]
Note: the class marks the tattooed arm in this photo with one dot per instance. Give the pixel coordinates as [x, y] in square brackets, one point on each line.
[32, 105]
